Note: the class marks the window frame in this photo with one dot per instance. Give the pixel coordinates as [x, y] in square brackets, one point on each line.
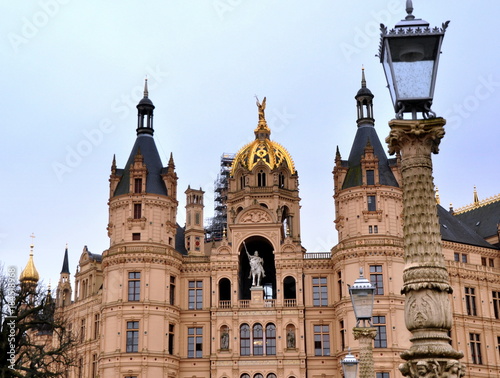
[195, 342]
[380, 323]
[134, 286]
[377, 278]
[195, 294]
[320, 291]
[321, 334]
[132, 340]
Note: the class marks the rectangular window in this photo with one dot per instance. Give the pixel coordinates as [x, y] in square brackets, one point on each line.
[377, 279]
[134, 286]
[138, 185]
[475, 348]
[132, 337]
[483, 260]
[245, 340]
[171, 337]
[339, 284]
[370, 177]
[370, 229]
[381, 338]
[464, 258]
[136, 236]
[491, 263]
[375, 229]
[97, 323]
[80, 367]
[321, 340]
[496, 304]
[195, 342]
[372, 204]
[172, 290]
[82, 330]
[342, 335]
[456, 257]
[94, 366]
[470, 301]
[320, 292]
[382, 374]
[137, 211]
[195, 295]
[498, 344]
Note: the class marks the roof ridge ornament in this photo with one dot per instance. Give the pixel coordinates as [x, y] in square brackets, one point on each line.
[409, 10]
[262, 131]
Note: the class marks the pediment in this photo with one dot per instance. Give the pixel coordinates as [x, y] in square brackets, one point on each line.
[255, 215]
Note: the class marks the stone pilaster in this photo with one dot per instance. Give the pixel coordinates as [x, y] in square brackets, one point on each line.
[365, 335]
[425, 278]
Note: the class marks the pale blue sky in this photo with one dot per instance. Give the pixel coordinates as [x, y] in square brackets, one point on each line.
[72, 73]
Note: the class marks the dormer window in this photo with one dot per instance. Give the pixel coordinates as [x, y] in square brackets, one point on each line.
[138, 185]
[370, 177]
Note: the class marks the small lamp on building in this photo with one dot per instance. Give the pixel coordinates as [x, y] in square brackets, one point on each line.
[362, 294]
[349, 365]
[410, 54]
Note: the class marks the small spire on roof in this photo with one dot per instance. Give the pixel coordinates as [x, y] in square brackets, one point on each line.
[171, 161]
[363, 80]
[476, 198]
[438, 200]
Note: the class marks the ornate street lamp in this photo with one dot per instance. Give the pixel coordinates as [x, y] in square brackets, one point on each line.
[362, 294]
[410, 54]
[349, 365]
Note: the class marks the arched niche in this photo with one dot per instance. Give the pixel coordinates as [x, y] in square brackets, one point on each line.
[266, 251]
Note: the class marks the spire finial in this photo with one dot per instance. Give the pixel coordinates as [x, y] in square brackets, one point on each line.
[146, 93]
[363, 80]
[32, 245]
[409, 10]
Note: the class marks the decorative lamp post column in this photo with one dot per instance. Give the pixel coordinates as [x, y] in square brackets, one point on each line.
[349, 365]
[362, 294]
[410, 54]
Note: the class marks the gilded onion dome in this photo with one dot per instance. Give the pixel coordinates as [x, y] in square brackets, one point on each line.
[262, 149]
[29, 273]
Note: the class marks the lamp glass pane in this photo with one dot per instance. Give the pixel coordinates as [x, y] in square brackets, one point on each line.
[363, 303]
[413, 79]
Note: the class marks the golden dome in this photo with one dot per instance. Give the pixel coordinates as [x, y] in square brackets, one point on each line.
[30, 274]
[262, 149]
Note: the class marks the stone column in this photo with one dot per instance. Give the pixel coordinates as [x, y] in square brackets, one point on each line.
[425, 277]
[365, 335]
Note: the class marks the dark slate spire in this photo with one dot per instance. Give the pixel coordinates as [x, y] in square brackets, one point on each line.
[145, 109]
[65, 266]
[366, 137]
[144, 146]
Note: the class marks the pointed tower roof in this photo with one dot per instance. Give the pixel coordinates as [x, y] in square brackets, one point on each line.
[366, 136]
[65, 266]
[144, 146]
[29, 273]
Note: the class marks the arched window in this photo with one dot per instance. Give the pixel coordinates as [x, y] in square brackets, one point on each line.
[271, 375]
[258, 375]
[245, 340]
[258, 340]
[245, 376]
[281, 180]
[261, 178]
[270, 340]
[224, 293]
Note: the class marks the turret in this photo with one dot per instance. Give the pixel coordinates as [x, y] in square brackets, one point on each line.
[194, 232]
[64, 291]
